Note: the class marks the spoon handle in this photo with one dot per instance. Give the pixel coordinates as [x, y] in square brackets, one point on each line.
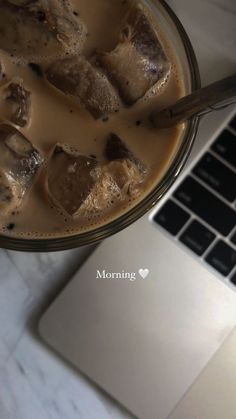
[196, 102]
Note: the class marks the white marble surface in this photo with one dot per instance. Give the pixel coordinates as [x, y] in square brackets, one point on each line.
[35, 384]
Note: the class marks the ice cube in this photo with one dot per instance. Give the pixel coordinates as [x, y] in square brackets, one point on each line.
[77, 77]
[138, 61]
[19, 162]
[58, 15]
[15, 103]
[116, 149]
[82, 186]
[40, 30]
[117, 181]
[70, 178]
[126, 175]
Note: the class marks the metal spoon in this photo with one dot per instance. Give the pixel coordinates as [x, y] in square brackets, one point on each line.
[197, 103]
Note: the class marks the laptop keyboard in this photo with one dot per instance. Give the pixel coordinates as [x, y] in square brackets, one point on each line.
[201, 213]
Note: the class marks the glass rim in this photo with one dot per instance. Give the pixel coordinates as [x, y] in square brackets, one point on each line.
[100, 233]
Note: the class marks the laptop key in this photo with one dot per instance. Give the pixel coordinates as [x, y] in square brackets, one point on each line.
[225, 146]
[206, 205]
[217, 176]
[171, 217]
[233, 278]
[232, 123]
[197, 237]
[233, 238]
[222, 257]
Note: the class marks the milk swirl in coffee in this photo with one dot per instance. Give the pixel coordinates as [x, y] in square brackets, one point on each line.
[78, 81]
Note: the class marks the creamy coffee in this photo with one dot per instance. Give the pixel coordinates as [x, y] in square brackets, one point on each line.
[77, 148]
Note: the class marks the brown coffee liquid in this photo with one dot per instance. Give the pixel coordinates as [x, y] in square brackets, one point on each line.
[56, 118]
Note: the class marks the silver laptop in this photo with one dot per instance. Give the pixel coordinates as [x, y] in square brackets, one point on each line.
[151, 316]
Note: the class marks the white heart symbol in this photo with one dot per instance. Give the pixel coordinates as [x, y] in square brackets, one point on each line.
[143, 273]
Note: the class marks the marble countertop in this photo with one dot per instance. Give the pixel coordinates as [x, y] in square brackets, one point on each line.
[35, 383]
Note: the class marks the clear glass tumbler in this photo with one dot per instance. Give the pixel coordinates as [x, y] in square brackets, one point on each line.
[177, 36]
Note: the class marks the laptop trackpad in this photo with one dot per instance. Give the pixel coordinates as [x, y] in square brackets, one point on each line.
[144, 341]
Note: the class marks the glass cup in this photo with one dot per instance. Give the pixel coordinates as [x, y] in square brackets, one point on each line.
[179, 40]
